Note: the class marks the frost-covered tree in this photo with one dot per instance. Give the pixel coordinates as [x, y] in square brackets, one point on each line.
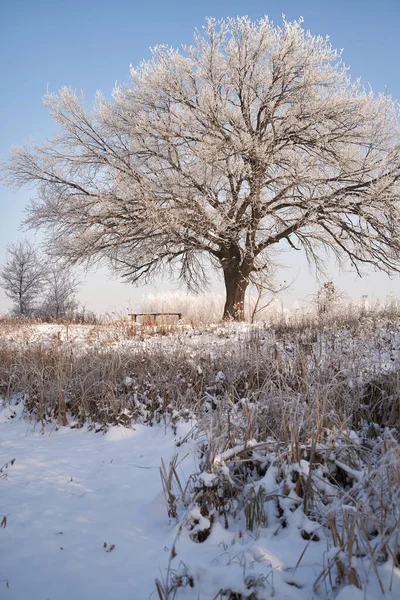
[59, 293]
[22, 277]
[252, 138]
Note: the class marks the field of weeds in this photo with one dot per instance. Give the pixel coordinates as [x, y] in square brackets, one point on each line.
[285, 477]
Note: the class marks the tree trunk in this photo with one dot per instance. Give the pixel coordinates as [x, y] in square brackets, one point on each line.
[21, 305]
[236, 284]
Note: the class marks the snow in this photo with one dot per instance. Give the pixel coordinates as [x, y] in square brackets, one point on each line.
[86, 514]
[68, 493]
[87, 520]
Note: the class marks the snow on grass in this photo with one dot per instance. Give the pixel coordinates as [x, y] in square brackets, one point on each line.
[285, 444]
[87, 519]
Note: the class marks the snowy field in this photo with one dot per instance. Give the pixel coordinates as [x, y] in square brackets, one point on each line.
[267, 491]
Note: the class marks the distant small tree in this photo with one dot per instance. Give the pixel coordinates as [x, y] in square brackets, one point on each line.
[22, 277]
[59, 293]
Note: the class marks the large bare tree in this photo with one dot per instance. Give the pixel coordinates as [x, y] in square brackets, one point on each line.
[213, 155]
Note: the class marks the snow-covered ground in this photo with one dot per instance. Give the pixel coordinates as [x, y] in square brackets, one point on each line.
[68, 494]
[83, 514]
[86, 519]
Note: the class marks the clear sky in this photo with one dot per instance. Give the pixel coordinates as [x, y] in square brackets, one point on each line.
[89, 44]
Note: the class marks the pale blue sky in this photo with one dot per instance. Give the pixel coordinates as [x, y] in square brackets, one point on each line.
[89, 45]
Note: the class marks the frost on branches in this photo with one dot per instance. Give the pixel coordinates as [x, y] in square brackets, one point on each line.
[214, 155]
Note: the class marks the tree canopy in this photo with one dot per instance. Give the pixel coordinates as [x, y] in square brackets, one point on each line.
[215, 154]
